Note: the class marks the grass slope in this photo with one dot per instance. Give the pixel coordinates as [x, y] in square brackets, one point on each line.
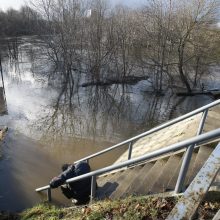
[132, 208]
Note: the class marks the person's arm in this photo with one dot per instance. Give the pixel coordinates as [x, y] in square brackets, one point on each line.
[59, 180]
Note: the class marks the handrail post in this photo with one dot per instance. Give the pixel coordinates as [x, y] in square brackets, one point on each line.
[130, 150]
[93, 188]
[49, 198]
[188, 156]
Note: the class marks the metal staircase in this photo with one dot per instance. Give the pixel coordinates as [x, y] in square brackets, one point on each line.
[169, 169]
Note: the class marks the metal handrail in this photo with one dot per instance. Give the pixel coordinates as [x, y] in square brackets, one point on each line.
[167, 124]
[130, 161]
[201, 139]
[188, 156]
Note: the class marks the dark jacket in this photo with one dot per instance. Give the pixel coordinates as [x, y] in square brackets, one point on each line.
[81, 187]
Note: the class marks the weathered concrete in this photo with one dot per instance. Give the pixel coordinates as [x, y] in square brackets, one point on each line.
[173, 134]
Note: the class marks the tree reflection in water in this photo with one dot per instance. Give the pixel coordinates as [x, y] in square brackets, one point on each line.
[104, 113]
[111, 113]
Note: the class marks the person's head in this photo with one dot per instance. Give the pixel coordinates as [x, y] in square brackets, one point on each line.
[65, 166]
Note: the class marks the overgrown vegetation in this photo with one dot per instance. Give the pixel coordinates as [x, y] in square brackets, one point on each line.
[130, 208]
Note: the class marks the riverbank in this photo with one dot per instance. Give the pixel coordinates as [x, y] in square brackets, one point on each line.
[128, 208]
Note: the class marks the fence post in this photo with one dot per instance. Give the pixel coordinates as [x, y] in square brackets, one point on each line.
[188, 156]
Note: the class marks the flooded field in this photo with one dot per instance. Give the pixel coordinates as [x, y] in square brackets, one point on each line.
[49, 127]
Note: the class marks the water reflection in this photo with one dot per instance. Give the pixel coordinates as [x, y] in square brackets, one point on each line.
[54, 108]
[67, 121]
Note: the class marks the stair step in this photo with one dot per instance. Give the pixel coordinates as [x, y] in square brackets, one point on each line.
[202, 155]
[172, 183]
[103, 179]
[191, 166]
[153, 177]
[165, 176]
[150, 178]
[115, 182]
[108, 185]
[131, 189]
[129, 176]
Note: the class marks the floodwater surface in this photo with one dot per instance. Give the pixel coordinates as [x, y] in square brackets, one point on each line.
[47, 129]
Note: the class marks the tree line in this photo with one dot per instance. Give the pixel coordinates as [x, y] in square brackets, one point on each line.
[172, 42]
[15, 23]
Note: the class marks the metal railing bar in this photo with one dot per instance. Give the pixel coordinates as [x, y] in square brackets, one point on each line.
[49, 198]
[171, 148]
[188, 155]
[42, 188]
[165, 125]
[202, 122]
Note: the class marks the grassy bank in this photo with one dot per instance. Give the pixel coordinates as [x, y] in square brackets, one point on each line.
[132, 208]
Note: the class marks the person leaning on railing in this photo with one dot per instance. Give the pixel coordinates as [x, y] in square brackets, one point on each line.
[79, 190]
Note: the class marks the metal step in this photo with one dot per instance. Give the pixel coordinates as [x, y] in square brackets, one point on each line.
[143, 187]
[161, 184]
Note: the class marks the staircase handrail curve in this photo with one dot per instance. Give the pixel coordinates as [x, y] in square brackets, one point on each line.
[158, 128]
[200, 139]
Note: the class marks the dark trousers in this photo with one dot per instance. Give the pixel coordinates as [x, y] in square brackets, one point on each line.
[70, 193]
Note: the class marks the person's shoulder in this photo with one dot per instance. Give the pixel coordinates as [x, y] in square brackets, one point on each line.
[82, 165]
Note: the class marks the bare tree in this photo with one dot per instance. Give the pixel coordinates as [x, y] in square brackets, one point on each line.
[162, 40]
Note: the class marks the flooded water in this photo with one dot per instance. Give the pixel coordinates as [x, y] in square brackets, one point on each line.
[47, 129]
